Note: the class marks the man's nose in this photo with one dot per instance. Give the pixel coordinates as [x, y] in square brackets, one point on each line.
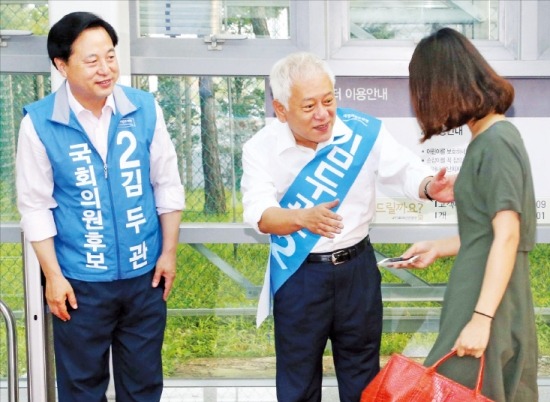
[103, 66]
[321, 112]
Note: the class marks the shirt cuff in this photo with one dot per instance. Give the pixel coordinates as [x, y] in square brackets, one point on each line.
[169, 200]
[38, 225]
[252, 215]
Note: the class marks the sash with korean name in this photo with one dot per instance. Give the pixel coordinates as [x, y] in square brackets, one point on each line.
[328, 176]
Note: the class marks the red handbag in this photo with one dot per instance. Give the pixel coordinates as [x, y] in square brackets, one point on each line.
[404, 380]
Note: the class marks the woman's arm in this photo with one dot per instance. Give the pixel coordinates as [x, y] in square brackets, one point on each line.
[474, 337]
[428, 251]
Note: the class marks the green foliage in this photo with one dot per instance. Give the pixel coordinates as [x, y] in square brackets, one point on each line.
[189, 338]
[543, 335]
[8, 208]
[539, 261]
[21, 348]
[194, 210]
[11, 276]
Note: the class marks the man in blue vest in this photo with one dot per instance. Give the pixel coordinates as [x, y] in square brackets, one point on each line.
[309, 181]
[100, 199]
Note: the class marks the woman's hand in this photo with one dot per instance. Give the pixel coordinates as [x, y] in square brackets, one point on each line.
[474, 337]
[429, 251]
[425, 252]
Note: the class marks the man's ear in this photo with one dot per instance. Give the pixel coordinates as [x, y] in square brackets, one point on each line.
[280, 111]
[60, 64]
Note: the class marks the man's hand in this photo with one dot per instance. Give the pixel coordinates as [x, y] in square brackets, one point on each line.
[441, 187]
[166, 263]
[321, 220]
[165, 268]
[59, 292]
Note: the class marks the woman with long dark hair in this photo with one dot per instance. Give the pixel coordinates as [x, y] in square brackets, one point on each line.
[488, 305]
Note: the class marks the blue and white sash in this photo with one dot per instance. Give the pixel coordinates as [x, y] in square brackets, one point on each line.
[328, 176]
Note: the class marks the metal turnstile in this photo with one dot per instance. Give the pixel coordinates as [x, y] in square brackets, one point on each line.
[13, 386]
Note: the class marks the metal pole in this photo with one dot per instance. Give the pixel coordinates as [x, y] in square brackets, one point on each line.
[13, 387]
[232, 149]
[40, 384]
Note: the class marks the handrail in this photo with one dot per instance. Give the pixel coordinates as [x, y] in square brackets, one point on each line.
[13, 388]
[214, 232]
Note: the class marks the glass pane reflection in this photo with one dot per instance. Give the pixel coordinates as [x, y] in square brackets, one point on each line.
[23, 15]
[414, 19]
[267, 19]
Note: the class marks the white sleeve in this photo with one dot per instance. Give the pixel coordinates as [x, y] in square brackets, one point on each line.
[165, 178]
[34, 182]
[257, 185]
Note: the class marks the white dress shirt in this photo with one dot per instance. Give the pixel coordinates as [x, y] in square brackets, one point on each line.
[272, 160]
[34, 172]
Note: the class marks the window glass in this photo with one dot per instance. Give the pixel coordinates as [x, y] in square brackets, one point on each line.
[24, 15]
[195, 19]
[414, 19]
[233, 109]
[16, 91]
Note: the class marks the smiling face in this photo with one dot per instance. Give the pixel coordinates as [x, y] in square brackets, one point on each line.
[92, 68]
[311, 110]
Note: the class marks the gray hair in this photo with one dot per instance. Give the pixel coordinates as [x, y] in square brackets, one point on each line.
[294, 67]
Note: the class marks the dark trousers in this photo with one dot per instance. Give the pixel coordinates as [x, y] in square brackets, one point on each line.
[322, 301]
[128, 316]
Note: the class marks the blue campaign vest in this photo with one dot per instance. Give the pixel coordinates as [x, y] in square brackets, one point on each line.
[107, 225]
[328, 176]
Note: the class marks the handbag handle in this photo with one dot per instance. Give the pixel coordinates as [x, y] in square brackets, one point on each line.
[479, 374]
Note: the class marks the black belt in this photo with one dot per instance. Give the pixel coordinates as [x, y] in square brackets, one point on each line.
[339, 256]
